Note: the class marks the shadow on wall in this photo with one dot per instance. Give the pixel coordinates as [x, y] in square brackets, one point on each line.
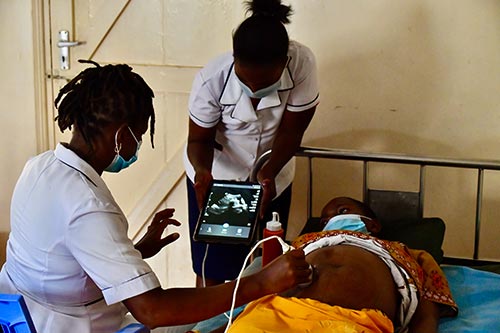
[3, 244]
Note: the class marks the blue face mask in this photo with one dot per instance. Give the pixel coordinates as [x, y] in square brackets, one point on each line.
[119, 163]
[261, 93]
[350, 222]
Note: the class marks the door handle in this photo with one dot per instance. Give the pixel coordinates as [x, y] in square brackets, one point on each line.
[68, 44]
[64, 44]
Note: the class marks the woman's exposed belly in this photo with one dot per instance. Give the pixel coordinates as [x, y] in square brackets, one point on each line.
[350, 277]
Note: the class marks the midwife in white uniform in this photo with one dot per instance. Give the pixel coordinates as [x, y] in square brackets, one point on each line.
[68, 252]
[259, 97]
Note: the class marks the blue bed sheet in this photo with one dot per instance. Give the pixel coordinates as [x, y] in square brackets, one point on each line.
[477, 294]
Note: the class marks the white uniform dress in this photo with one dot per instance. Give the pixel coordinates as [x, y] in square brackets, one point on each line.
[68, 251]
[245, 133]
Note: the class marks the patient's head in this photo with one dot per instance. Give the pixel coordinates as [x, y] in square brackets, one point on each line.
[349, 206]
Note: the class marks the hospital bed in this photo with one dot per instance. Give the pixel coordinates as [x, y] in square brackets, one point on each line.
[474, 281]
[397, 206]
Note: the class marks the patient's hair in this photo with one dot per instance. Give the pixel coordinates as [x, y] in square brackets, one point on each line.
[262, 38]
[99, 96]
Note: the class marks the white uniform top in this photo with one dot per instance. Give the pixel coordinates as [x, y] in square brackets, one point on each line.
[245, 133]
[68, 247]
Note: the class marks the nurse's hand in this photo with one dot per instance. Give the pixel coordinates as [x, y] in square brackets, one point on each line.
[202, 181]
[285, 272]
[268, 193]
[152, 242]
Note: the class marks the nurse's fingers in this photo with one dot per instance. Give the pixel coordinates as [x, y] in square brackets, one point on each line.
[201, 190]
[268, 193]
[167, 222]
[165, 215]
[202, 181]
[169, 239]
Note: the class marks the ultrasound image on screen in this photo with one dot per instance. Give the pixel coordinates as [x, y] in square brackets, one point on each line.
[231, 210]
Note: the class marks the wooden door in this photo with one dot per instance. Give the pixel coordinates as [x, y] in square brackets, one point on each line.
[132, 32]
[166, 42]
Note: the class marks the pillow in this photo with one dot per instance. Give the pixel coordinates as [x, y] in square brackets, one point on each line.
[420, 234]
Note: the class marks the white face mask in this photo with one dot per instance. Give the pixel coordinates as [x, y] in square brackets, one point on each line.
[350, 222]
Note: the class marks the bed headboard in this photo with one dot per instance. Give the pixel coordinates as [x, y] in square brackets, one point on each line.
[399, 205]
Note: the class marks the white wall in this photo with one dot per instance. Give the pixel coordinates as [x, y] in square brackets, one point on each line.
[17, 116]
[413, 77]
[417, 77]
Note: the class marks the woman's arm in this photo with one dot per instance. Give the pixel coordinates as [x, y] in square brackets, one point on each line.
[178, 306]
[426, 317]
[285, 145]
[200, 151]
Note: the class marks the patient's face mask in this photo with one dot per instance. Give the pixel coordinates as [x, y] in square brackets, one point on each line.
[350, 222]
[119, 163]
[261, 93]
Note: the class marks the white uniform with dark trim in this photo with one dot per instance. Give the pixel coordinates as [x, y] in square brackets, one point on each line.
[68, 251]
[244, 133]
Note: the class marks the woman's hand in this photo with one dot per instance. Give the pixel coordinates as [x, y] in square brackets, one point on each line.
[268, 194]
[425, 318]
[285, 272]
[202, 181]
[152, 242]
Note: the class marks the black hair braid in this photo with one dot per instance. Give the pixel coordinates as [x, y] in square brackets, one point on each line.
[262, 39]
[102, 95]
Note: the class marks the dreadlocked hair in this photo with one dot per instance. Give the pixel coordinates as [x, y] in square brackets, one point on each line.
[102, 95]
[262, 37]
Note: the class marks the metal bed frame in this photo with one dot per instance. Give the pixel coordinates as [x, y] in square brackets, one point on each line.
[480, 165]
